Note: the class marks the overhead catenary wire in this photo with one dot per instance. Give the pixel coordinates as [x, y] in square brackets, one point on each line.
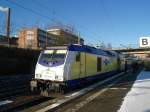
[30, 10]
[93, 38]
[42, 5]
[107, 15]
[46, 8]
[44, 16]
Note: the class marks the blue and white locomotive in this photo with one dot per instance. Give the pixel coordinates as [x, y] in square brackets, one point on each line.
[66, 67]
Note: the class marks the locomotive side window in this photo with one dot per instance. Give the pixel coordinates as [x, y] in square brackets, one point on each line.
[78, 57]
[99, 60]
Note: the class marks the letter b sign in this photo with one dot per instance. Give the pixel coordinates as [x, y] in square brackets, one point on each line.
[144, 41]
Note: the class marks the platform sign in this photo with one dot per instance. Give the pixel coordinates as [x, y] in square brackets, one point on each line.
[144, 41]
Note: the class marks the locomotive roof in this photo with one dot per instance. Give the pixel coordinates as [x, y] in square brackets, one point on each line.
[89, 49]
[84, 48]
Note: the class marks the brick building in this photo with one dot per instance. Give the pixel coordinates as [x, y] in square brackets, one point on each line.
[65, 37]
[35, 38]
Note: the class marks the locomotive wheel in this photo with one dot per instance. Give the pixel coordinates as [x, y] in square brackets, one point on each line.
[63, 89]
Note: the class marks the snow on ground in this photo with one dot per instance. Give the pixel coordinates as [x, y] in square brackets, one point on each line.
[138, 98]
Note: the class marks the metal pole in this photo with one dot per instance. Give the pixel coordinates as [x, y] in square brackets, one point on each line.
[8, 26]
[46, 40]
[79, 39]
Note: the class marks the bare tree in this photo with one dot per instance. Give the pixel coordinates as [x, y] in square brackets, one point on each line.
[66, 27]
[37, 23]
[102, 45]
[13, 29]
[109, 46]
[2, 27]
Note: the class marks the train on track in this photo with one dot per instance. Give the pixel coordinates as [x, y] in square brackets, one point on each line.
[68, 67]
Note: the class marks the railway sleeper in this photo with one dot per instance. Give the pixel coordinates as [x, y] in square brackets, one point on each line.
[13, 93]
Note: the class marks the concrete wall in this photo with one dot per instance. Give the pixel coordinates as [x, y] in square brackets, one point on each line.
[17, 61]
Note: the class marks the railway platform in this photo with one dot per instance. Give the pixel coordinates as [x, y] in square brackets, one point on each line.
[121, 96]
[127, 92]
[137, 99]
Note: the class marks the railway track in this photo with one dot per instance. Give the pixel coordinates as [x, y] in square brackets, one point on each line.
[37, 103]
[11, 86]
[23, 102]
[15, 93]
[40, 104]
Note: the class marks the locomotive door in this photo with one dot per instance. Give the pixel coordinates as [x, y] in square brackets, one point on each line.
[82, 64]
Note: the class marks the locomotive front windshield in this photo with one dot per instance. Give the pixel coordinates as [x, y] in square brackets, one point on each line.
[53, 57]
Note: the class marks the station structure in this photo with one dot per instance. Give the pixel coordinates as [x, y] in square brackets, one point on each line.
[35, 38]
[138, 53]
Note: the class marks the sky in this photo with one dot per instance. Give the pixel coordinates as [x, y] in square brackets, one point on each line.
[119, 22]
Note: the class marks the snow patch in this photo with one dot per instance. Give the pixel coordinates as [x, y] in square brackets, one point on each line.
[5, 102]
[138, 98]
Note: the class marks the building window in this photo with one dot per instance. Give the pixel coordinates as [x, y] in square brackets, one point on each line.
[78, 57]
[99, 65]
